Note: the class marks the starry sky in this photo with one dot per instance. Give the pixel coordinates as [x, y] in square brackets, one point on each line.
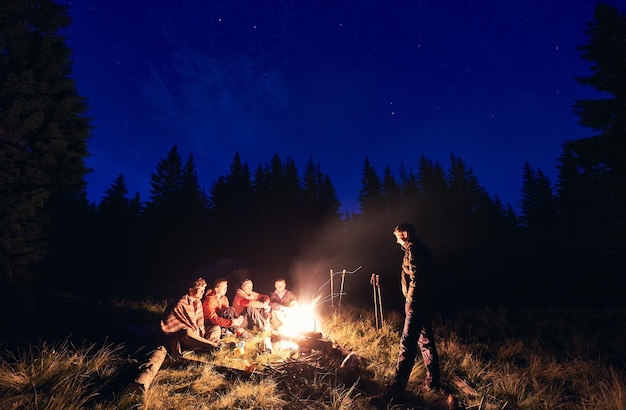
[490, 81]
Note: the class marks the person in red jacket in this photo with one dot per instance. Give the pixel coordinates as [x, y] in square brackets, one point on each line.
[253, 305]
[219, 316]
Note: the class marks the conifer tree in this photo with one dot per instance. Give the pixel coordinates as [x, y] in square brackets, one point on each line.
[371, 199]
[407, 180]
[115, 201]
[310, 186]
[592, 170]
[166, 185]
[115, 239]
[231, 194]
[432, 193]
[230, 205]
[292, 193]
[175, 222]
[392, 191]
[540, 251]
[538, 203]
[460, 204]
[328, 198]
[193, 198]
[373, 219]
[318, 194]
[43, 139]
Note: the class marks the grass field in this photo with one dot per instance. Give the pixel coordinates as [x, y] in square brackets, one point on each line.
[549, 357]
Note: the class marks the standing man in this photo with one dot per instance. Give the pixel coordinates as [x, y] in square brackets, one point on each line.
[418, 287]
[280, 299]
[183, 323]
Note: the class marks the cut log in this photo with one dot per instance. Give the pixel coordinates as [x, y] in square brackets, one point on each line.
[149, 370]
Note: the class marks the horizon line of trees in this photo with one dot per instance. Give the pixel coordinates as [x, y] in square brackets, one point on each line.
[568, 241]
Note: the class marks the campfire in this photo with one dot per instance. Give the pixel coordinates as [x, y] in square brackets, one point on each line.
[300, 324]
[297, 333]
[299, 330]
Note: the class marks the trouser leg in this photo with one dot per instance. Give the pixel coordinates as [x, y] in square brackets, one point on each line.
[277, 319]
[191, 340]
[230, 313]
[214, 333]
[258, 317]
[172, 343]
[429, 355]
[408, 349]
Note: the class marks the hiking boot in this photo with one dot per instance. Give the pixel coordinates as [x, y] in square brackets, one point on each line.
[231, 345]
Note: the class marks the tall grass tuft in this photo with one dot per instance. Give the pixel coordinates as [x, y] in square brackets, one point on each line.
[56, 376]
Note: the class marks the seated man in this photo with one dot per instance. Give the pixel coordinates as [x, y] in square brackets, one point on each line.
[280, 300]
[252, 305]
[183, 323]
[219, 316]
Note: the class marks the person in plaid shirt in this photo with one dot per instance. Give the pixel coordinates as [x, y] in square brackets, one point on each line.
[183, 323]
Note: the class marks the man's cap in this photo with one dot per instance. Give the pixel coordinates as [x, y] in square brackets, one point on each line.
[199, 283]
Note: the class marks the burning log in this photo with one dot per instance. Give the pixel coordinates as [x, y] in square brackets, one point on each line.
[315, 341]
[349, 371]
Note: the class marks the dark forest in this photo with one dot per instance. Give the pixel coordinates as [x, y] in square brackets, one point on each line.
[566, 243]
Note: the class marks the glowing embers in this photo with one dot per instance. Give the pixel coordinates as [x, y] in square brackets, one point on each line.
[299, 323]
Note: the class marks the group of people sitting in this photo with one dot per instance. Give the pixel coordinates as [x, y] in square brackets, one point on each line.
[194, 323]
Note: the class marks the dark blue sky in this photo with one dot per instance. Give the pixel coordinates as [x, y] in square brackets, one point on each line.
[491, 82]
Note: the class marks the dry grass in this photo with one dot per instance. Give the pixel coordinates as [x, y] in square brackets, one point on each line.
[58, 376]
[492, 358]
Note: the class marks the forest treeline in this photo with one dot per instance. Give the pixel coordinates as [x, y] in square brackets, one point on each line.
[566, 242]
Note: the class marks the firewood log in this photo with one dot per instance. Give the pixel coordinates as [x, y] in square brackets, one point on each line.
[150, 369]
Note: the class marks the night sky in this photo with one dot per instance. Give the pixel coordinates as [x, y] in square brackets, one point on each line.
[491, 82]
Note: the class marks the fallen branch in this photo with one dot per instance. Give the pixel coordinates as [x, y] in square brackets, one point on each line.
[150, 369]
[464, 386]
